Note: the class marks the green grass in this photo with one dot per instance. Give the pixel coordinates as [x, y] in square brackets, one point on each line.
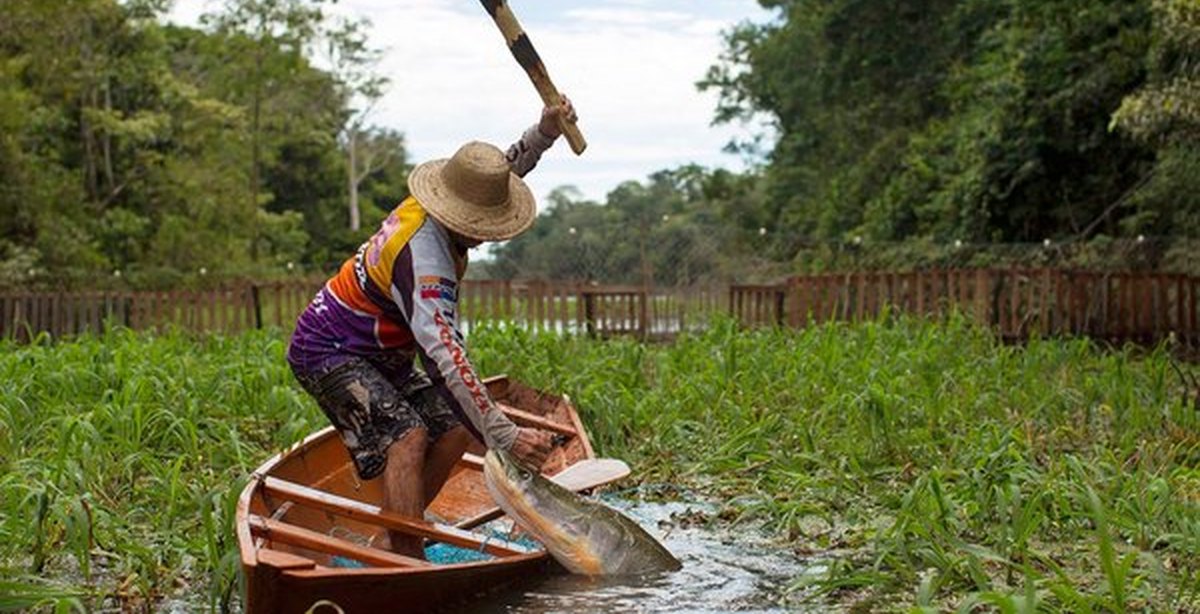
[928, 467]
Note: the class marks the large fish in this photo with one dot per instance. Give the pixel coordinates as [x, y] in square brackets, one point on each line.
[584, 536]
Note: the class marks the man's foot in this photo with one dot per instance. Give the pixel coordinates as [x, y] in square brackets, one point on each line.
[405, 545]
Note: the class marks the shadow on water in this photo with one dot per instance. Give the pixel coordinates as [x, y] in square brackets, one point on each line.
[723, 571]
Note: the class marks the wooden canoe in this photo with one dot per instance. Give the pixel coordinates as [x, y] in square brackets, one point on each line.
[305, 514]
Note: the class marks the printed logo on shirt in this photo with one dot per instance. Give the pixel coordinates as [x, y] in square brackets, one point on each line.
[360, 272]
[474, 387]
[434, 287]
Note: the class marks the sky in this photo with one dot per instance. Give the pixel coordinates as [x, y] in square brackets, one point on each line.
[629, 67]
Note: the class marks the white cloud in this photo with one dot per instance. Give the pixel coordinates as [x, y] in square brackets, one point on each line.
[629, 66]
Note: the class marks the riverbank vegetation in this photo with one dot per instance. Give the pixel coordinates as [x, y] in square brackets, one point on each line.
[137, 153]
[915, 464]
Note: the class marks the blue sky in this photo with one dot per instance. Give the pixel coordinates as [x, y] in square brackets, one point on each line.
[629, 66]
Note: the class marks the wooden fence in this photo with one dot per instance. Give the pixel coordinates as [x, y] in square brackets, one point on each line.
[593, 309]
[541, 306]
[1119, 307]
[1137, 307]
[27, 315]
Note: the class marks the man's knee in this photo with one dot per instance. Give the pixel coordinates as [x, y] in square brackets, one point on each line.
[409, 447]
[457, 433]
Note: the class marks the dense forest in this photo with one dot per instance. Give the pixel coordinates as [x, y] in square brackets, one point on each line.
[136, 149]
[151, 151]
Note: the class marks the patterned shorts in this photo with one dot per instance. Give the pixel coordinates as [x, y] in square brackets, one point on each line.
[370, 412]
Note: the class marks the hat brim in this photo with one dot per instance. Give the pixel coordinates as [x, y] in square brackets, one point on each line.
[496, 223]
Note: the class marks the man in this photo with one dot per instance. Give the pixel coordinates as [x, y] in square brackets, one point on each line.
[396, 299]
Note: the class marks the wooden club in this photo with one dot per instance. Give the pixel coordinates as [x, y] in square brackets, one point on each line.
[522, 49]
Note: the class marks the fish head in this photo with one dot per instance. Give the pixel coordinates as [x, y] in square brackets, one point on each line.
[510, 475]
[521, 492]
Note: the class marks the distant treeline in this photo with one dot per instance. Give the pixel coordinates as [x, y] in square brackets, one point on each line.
[160, 151]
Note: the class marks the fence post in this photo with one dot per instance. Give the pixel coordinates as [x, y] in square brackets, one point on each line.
[643, 327]
[256, 304]
[6, 302]
[589, 312]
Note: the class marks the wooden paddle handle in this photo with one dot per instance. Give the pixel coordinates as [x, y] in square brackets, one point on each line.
[522, 49]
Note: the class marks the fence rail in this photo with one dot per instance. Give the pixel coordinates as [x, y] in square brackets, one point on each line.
[1016, 302]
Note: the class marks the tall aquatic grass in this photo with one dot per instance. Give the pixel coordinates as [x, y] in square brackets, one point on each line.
[926, 467]
[929, 465]
[122, 459]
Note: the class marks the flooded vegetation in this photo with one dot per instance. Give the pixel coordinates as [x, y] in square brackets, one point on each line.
[895, 464]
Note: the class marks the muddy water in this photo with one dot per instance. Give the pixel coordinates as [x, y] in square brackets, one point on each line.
[723, 571]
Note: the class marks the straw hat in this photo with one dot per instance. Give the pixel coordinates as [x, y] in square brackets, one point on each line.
[475, 193]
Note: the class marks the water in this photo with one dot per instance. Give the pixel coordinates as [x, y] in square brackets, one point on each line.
[723, 571]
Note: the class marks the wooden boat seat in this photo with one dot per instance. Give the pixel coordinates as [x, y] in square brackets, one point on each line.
[300, 494]
[294, 535]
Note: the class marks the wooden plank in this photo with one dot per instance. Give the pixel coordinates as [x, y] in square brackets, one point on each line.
[18, 317]
[1177, 318]
[1126, 322]
[1193, 330]
[965, 289]
[1045, 309]
[70, 302]
[283, 560]
[643, 323]
[1162, 319]
[374, 515]
[1014, 303]
[541, 422]
[919, 282]
[570, 307]
[1141, 299]
[1106, 324]
[507, 296]
[816, 284]
[227, 305]
[982, 285]
[294, 535]
[535, 305]
[93, 316]
[858, 281]
[6, 307]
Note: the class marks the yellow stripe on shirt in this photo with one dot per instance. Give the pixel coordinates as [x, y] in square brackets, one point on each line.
[393, 235]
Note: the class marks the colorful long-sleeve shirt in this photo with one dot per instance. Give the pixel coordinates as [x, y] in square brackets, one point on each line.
[397, 298]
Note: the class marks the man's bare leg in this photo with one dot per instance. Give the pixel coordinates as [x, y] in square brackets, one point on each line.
[441, 459]
[404, 489]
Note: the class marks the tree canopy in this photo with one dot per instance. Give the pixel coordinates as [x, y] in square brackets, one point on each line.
[976, 120]
[133, 147]
[130, 147]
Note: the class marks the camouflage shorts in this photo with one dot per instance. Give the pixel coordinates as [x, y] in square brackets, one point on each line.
[370, 412]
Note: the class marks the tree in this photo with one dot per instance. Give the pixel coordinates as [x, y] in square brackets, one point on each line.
[982, 120]
[264, 42]
[367, 150]
[1165, 115]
